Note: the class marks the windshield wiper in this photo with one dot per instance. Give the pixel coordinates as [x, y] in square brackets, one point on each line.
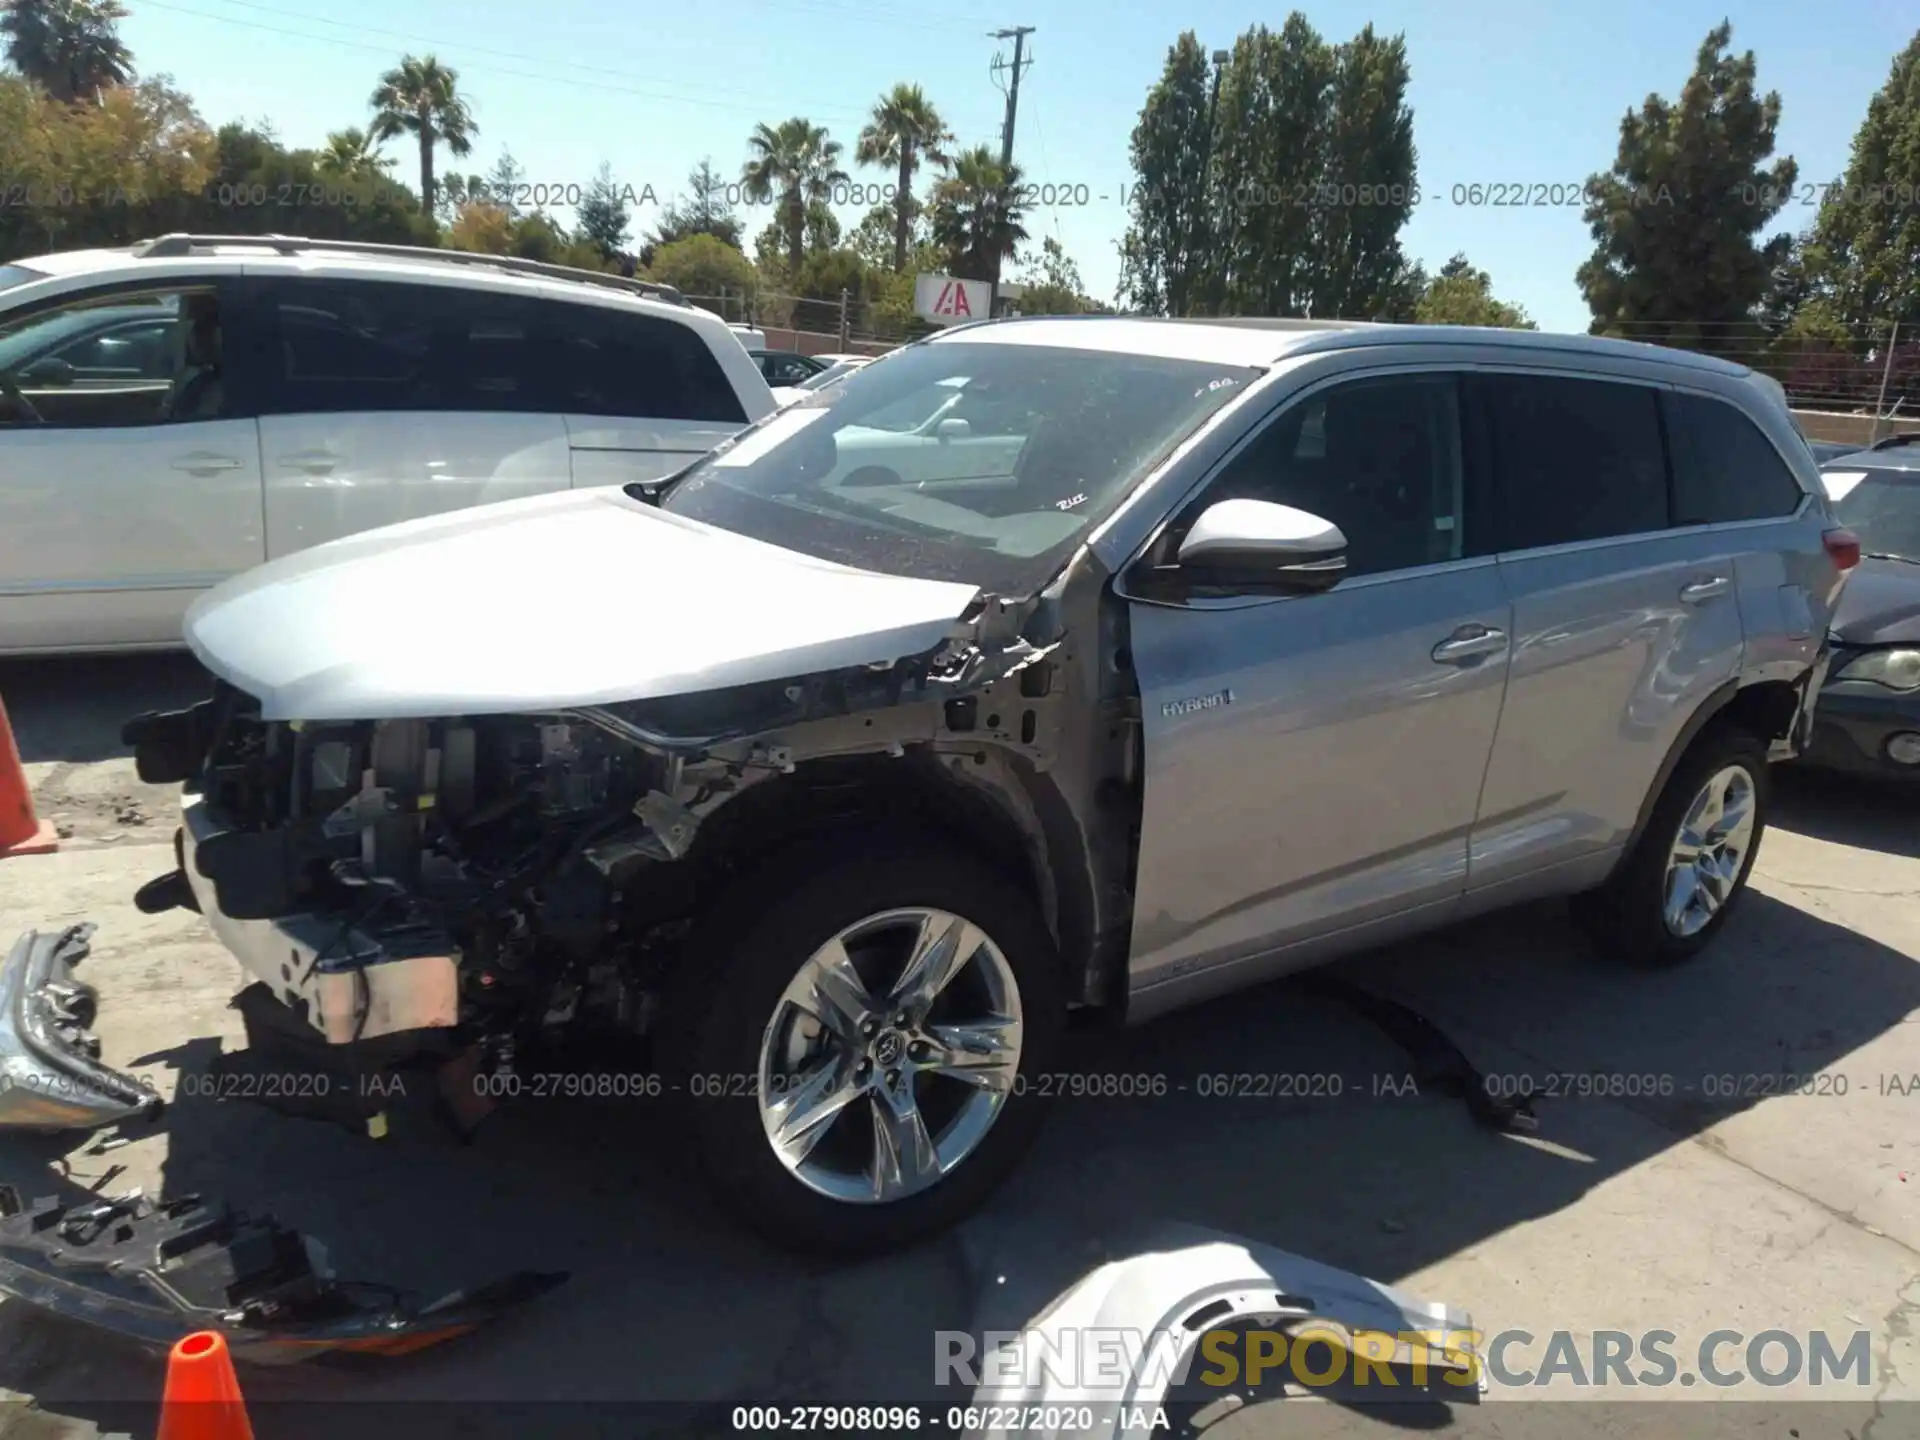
[1889, 555]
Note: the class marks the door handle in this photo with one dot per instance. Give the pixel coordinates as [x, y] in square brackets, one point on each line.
[206, 464]
[1470, 643]
[1704, 589]
[314, 462]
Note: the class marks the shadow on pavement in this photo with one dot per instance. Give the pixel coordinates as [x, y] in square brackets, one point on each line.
[1276, 1115]
[1847, 810]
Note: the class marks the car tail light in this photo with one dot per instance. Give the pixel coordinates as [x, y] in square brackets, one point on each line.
[1843, 546]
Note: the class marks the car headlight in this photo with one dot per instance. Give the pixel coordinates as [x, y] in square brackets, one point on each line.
[1895, 669]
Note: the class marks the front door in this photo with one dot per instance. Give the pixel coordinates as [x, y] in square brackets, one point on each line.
[1313, 764]
[129, 472]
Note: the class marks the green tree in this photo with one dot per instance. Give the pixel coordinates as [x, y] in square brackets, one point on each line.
[1167, 207]
[975, 218]
[504, 185]
[1463, 295]
[796, 164]
[1292, 202]
[1052, 284]
[353, 153]
[603, 220]
[703, 265]
[1675, 222]
[1867, 234]
[421, 97]
[1314, 175]
[71, 47]
[704, 211]
[904, 127]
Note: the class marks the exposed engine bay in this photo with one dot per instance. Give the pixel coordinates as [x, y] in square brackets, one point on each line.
[473, 887]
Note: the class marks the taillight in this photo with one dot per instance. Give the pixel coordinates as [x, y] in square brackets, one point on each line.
[1843, 546]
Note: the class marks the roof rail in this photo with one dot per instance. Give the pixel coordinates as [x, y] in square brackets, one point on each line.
[179, 244]
[1894, 442]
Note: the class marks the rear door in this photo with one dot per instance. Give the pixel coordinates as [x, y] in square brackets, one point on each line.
[129, 471]
[385, 401]
[1625, 620]
[640, 394]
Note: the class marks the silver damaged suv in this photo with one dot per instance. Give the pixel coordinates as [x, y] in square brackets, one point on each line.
[1048, 665]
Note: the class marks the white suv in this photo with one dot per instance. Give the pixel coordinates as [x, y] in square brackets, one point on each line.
[180, 411]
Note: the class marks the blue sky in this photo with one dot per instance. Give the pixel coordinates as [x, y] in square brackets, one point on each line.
[1502, 91]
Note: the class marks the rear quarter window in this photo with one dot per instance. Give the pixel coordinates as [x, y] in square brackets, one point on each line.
[1725, 467]
[610, 361]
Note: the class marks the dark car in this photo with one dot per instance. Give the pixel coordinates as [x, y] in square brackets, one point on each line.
[1868, 718]
[786, 367]
[1825, 450]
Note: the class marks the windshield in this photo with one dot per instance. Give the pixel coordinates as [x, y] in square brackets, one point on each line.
[1882, 507]
[975, 461]
[12, 275]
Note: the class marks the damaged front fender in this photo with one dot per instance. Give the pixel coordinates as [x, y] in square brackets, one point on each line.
[51, 1077]
[1174, 1328]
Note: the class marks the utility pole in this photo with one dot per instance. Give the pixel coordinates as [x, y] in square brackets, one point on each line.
[1018, 34]
[1886, 373]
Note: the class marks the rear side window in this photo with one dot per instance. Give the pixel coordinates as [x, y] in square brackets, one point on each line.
[1725, 467]
[373, 346]
[1576, 459]
[603, 360]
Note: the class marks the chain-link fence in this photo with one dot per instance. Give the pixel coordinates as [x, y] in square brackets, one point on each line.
[1846, 383]
[812, 324]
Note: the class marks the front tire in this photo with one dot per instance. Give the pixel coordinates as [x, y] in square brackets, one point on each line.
[852, 1038]
[1689, 868]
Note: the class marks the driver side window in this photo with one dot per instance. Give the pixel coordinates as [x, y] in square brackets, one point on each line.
[1380, 458]
[131, 358]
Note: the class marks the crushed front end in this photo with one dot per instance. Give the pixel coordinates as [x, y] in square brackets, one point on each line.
[456, 893]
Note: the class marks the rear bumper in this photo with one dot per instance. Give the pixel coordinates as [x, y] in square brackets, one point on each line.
[1852, 725]
[51, 1077]
[350, 981]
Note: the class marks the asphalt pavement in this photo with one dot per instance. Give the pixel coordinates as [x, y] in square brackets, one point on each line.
[1710, 1201]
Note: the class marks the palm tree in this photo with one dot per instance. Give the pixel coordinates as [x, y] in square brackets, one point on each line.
[353, 154]
[797, 163]
[68, 46]
[904, 126]
[976, 219]
[421, 98]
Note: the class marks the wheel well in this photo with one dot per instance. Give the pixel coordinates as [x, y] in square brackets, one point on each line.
[909, 793]
[1765, 709]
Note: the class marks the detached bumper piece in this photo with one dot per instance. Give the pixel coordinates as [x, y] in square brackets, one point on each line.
[158, 1271]
[51, 1077]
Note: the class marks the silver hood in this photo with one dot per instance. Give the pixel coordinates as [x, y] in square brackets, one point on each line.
[585, 597]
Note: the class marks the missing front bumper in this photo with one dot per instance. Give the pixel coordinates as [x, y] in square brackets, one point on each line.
[158, 1271]
[51, 1078]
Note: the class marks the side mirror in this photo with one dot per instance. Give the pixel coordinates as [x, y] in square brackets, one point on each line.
[953, 429]
[51, 371]
[1262, 548]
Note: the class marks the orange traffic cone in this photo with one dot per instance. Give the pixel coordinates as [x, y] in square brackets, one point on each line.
[203, 1400]
[21, 832]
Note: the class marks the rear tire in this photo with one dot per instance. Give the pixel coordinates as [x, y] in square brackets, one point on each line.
[741, 1055]
[1662, 908]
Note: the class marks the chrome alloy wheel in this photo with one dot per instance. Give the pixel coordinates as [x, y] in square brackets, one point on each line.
[890, 1056]
[1711, 846]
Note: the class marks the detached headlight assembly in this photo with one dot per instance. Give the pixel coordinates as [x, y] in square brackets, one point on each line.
[1895, 669]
